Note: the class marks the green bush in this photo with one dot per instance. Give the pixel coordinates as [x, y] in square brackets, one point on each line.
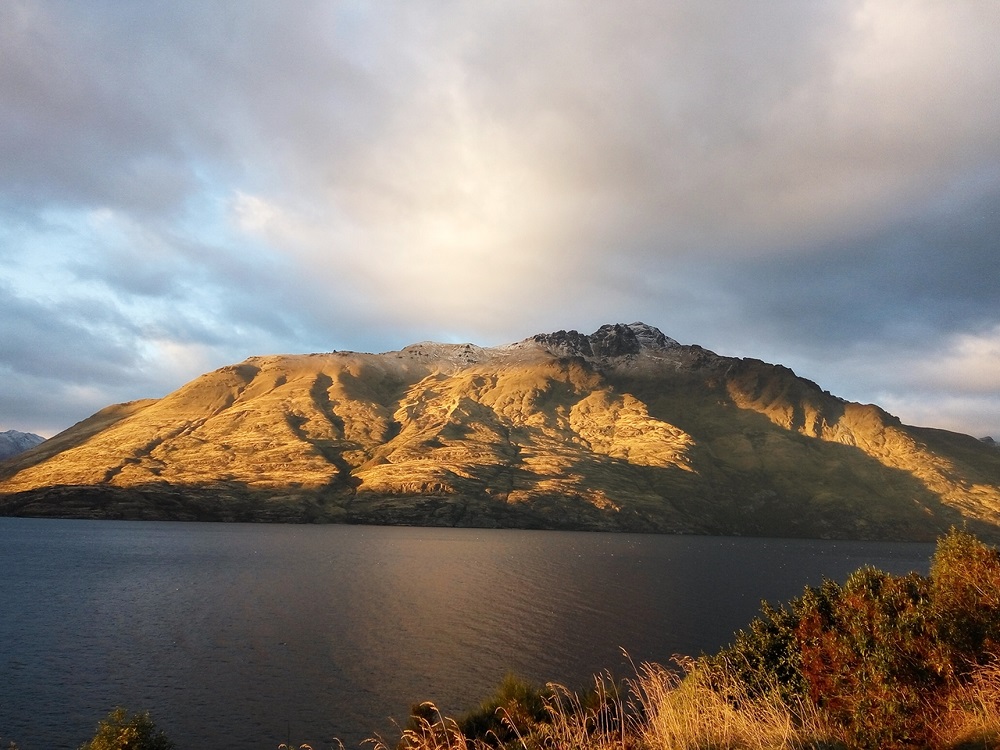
[965, 589]
[516, 710]
[766, 654]
[121, 731]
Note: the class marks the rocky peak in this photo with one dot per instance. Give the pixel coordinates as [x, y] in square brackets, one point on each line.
[456, 353]
[614, 340]
[651, 337]
[610, 340]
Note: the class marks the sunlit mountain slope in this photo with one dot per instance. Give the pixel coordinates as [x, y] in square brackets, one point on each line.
[624, 429]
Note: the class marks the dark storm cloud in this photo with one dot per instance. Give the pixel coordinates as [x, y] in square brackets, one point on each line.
[81, 352]
[915, 280]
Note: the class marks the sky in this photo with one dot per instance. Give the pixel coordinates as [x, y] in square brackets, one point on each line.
[185, 184]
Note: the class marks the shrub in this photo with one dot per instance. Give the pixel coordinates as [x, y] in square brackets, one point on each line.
[521, 716]
[882, 656]
[516, 710]
[872, 663]
[965, 588]
[120, 731]
[765, 655]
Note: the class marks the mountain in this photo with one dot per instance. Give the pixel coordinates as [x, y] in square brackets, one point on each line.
[622, 429]
[13, 442]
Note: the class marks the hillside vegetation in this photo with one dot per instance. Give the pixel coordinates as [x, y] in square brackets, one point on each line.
[624, 429]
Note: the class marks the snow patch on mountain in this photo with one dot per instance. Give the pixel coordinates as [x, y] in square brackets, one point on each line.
[13, 442]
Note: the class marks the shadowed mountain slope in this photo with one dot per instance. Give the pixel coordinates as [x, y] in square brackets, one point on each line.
[624, 429]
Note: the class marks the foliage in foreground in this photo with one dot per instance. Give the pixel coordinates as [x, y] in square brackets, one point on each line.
[883, 657]
[881, 662]
[121, 731]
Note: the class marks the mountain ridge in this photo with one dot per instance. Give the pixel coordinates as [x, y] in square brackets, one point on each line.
[623, 429]
[13, 442]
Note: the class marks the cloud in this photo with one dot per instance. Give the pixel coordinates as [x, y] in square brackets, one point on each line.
[968, 365]
[808, 183]
[94, 357]
[954, 389]
[914, 279]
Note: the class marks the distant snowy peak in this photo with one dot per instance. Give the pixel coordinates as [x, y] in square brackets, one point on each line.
[611, 340]
[13, 442]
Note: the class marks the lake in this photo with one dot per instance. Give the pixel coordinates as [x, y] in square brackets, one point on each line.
[244, 636]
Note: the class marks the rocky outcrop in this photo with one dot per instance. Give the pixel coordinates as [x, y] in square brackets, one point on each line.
[615, 340]
[621, 429]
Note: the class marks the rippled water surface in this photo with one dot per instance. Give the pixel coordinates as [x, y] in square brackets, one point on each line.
[244, 636]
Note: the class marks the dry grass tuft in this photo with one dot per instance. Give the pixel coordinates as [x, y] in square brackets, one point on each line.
[437, 733]
[972, 717]
[708, 708]
[597, 722]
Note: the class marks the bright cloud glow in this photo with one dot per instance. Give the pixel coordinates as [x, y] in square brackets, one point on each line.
[970, 364]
